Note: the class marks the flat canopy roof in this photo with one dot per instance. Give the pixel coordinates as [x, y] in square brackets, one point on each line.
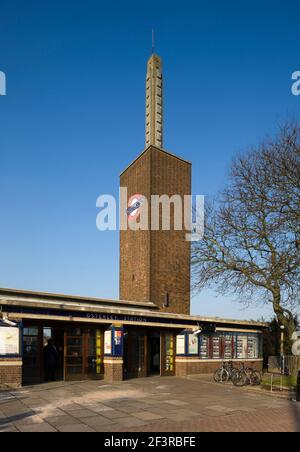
[87, 306]
[66, 298]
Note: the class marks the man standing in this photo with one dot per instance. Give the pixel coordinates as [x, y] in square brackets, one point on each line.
[50, 360]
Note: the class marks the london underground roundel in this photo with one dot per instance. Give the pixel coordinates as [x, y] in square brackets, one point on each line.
[134, 206]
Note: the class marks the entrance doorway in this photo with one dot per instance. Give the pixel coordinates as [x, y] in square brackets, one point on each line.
[154, 359]
[148, 353]
[135, 354]
[83, 354]
[35, 339]
[79, 353]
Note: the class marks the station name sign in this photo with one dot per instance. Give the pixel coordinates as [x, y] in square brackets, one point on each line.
[109, 317]
[113, 317]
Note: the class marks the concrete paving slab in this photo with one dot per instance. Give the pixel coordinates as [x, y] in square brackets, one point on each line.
[147, 416]
[40, 428]
[76, 428]
[58, 421]
[80, 413]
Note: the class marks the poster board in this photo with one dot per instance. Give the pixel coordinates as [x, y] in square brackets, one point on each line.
[180, 344]
[9, 341]
[193, 344]
[108, 342]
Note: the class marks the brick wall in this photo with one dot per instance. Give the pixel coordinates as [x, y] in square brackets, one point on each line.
[170, 252]
[135, 245]
[156, 263]
[10, 373]
[186, 367]
[113, 369]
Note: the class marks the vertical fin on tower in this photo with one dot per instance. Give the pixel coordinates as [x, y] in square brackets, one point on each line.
[154, 101]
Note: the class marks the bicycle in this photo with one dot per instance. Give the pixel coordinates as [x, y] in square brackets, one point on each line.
[224, 373]
[246, 376]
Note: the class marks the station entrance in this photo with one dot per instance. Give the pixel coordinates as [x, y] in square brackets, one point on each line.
[79, 353]
[148, 353]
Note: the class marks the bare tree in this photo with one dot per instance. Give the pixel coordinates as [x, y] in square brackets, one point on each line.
[251, 245]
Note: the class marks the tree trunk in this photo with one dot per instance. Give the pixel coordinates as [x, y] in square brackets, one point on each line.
[286, 319]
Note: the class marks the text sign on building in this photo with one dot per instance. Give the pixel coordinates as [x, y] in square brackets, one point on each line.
[9, 341]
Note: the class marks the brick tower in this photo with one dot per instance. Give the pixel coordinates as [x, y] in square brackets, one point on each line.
[155, 264]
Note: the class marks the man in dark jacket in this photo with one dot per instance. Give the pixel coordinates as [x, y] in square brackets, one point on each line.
[50, 360]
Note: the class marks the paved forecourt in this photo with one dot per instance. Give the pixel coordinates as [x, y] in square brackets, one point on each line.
[150, 405]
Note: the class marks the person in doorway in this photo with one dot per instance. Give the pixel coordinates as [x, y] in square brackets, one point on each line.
[156, 359]
[50, 360]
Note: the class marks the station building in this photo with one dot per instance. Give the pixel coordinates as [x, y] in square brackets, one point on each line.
[149, 330]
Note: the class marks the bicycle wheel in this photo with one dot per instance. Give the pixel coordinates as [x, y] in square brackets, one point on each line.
[255, 378]
[220, 376]
[239, 379]
[217, 376]
[232, 374]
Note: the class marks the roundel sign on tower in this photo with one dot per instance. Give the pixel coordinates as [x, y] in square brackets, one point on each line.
[134, 206]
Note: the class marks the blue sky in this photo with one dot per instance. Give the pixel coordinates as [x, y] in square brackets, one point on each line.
[73, 118]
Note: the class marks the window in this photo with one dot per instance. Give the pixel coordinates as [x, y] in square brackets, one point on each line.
[30, 343]
[47, 335]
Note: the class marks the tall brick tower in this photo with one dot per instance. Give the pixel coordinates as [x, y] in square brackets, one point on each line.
[155, 264]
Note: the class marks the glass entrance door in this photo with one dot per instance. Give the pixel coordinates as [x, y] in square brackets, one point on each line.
[74, 354]
[167, 354]
[32, 355]
[83, 354]
[135, 354]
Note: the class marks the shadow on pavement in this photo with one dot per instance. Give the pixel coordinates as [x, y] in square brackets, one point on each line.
[296, 415]
[16, 418]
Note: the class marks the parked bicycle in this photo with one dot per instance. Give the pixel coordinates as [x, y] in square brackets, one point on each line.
[246, 376]
[225, 372]
[240, 377]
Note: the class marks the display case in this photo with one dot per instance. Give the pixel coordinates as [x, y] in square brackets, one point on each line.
[228, 346]
[253, 347]
[204, 347]
[216, 347]
[242, 347]
[193, 344]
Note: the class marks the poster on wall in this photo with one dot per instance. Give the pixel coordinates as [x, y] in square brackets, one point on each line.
[118, 337]
[180, 345]
[193, 344]
[118, 343]
[107, 343]
[9, 341]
